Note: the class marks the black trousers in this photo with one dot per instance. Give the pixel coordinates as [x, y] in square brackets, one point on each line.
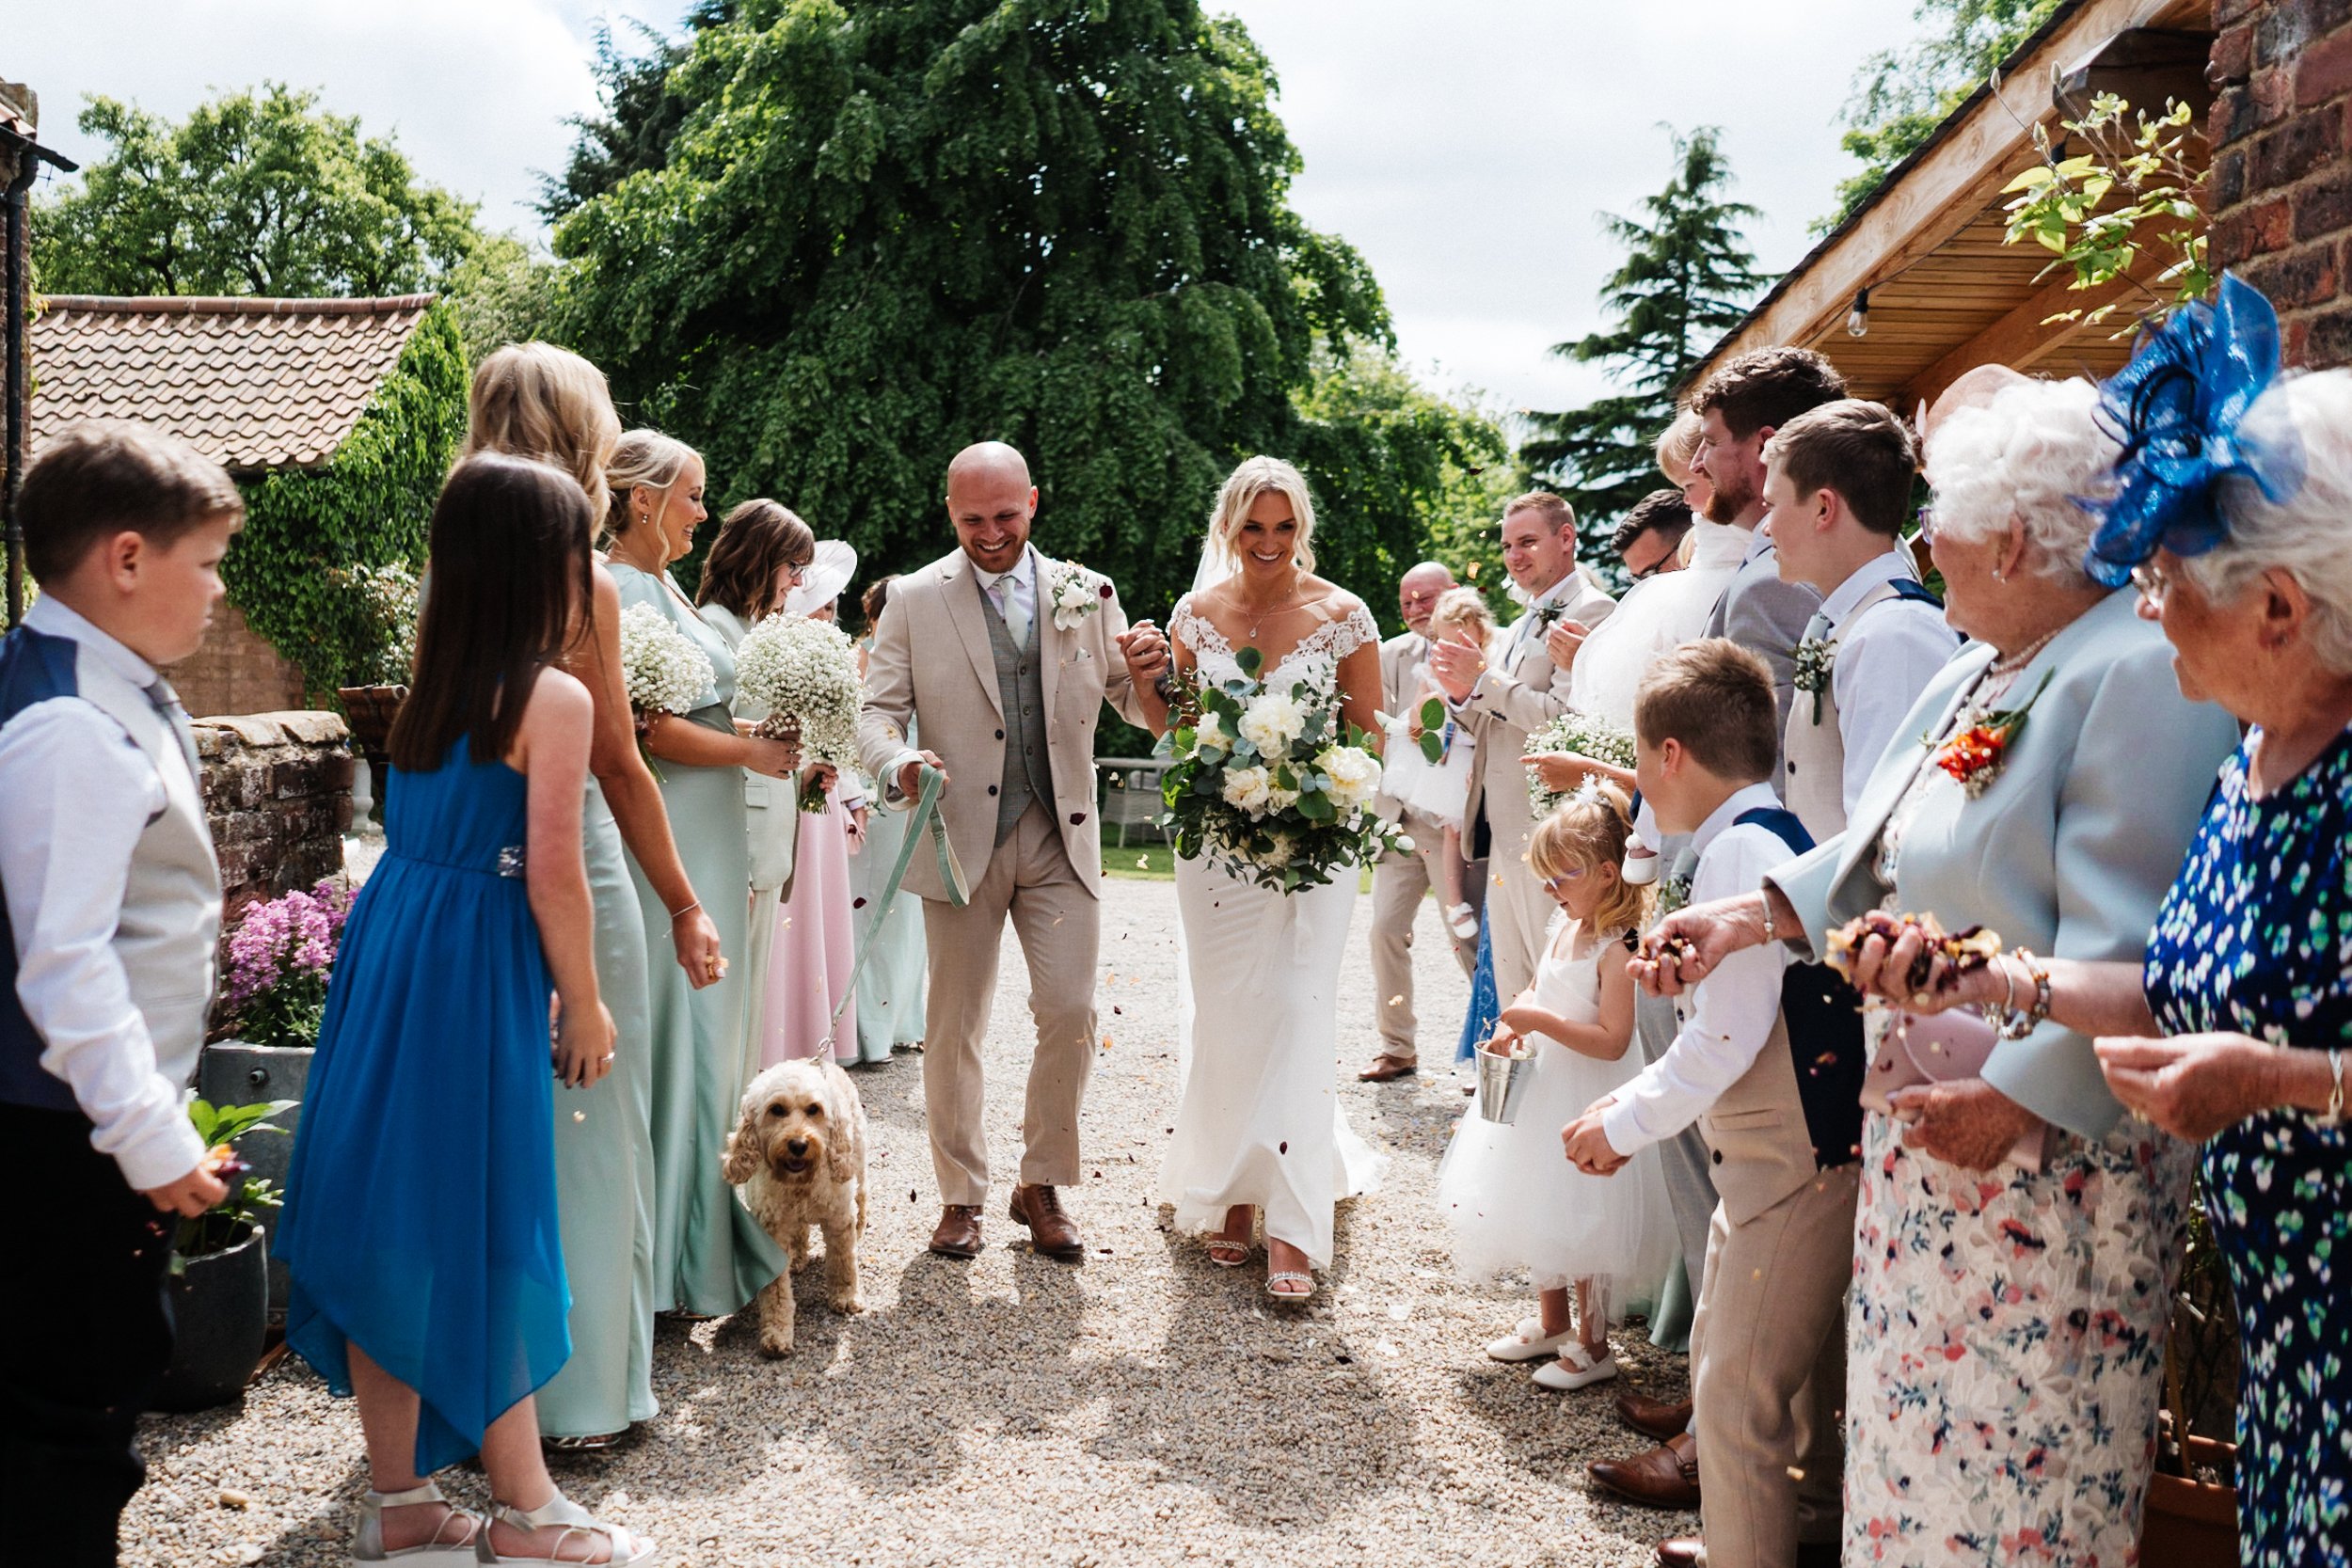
[84, 1335]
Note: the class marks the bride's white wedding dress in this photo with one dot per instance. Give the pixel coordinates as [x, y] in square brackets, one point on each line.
[1257, 1009]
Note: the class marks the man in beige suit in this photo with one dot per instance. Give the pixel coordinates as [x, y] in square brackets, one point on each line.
[1523, 689]
[1005, 659]
[1403, 876]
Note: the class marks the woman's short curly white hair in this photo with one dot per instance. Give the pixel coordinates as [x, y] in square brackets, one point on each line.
[2027, 454]
[2307, 535]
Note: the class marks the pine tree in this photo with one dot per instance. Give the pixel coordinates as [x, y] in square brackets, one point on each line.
[1687, 279]
[1902, 95]
[883, 231]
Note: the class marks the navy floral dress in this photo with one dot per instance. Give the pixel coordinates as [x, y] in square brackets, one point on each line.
[2256, 938]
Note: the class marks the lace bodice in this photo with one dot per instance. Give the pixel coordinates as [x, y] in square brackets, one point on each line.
[1315, 660]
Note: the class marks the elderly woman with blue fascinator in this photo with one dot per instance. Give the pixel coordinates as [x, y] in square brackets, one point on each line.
[2016, 1231]
[2232, 514]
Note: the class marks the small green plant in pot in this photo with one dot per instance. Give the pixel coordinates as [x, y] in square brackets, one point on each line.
[220, 1267]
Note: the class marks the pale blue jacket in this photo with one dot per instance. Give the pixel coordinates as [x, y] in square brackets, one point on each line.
[2069, 850]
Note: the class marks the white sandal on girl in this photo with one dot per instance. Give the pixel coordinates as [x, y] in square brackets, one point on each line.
[367, 1543]
[1463, 920]
[628, 1547]
[1529, 1343]
[1576, 1367]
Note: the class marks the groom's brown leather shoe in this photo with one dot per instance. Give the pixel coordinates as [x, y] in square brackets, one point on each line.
[1666, 1476]
[958, 1232]
[1653, 1418]
[1387, 1069]
[1051, 1231]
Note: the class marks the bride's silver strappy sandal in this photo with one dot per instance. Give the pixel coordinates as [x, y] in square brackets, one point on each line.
[1290, 1276]
[367, 1544]
[630, 1549]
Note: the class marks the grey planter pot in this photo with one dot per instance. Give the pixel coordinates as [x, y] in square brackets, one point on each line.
[220, 1312]
[231, 1073]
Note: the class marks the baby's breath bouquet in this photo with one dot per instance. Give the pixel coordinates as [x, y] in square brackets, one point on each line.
[665, 672]
[804, 672]
[1271, 786]
[1584, 735]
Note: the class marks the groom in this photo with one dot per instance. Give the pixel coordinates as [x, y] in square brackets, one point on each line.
[1000, 660]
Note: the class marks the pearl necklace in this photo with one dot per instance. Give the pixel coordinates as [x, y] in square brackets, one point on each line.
[2011, 663]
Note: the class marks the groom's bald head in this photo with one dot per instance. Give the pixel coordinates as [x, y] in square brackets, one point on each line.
[991, 502]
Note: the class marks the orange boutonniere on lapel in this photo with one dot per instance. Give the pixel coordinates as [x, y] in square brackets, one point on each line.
[1977, 752]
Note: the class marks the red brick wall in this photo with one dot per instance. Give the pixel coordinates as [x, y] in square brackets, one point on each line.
[2282, 185]
[236, 672]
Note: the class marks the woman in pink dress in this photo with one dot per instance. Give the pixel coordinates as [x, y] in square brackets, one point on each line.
[816, 943]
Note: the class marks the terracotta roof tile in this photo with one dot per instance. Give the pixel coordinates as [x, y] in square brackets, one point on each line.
[254, 383]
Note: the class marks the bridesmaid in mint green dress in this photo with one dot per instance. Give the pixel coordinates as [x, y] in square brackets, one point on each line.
[710, 1257]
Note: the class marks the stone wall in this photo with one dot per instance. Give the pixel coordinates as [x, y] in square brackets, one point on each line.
[2281, 187]
[235, 671]
[277, 794]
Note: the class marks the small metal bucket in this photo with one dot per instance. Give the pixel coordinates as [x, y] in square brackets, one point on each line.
[1501, 1083]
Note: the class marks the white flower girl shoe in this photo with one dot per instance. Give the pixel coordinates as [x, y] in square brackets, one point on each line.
[1575, 1367]
[1529, 1343]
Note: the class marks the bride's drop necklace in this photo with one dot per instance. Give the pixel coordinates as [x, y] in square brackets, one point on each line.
[1261, 617]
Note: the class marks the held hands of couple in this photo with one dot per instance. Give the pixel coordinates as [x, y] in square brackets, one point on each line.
[583, 1045]
[1146, 652]
[1587, 1147]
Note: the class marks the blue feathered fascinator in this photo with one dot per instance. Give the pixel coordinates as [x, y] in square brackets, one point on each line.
[2179, 408]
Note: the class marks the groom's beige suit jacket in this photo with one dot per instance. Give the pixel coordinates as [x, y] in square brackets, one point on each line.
[931, 657]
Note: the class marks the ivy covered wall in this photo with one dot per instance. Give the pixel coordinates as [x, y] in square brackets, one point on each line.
[326, 567]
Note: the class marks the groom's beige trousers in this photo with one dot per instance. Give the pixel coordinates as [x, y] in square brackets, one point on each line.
[1031, 880]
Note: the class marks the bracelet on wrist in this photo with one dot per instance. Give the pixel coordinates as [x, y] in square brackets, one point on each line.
[676, 915]
[2016, 1024]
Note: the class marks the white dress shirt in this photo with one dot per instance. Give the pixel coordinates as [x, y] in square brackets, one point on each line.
[1017, 601]
[1883, 665]
[75, 795]
[1728, 1018]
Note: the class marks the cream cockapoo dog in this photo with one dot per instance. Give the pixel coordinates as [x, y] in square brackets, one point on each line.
[799, 1153]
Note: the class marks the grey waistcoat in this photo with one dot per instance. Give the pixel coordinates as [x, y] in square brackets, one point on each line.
[1028, 769]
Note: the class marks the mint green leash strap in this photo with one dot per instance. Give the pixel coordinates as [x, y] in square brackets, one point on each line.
[925, 818]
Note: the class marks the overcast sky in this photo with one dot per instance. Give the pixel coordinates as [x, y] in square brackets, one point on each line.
[1463, 146]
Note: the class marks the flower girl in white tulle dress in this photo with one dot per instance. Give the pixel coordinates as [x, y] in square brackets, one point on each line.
[1514, 1203]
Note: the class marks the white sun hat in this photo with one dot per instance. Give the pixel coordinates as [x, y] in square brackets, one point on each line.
[834, 564]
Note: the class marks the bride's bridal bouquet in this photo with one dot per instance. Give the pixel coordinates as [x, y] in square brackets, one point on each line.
[1584, 735]
[804, 672]
[1271, 786]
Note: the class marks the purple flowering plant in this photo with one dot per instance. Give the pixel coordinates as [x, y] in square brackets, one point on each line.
[280, 958]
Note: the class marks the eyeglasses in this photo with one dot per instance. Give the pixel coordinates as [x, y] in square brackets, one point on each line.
[1927, 527]
[2153, 585]
[1653, 568]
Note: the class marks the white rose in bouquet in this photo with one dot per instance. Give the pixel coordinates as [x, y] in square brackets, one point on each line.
[1209, 734]
[1246, 790]
[1279, 799]
[665, 672]
[1355, 775]
[1272, 721]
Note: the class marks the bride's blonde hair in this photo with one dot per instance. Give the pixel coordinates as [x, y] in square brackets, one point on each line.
[1256, 477]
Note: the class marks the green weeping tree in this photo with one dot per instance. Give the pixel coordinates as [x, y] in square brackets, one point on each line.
[881, 230]
[1686, 281]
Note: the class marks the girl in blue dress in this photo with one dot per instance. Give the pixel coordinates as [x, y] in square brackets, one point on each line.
[420, 1224]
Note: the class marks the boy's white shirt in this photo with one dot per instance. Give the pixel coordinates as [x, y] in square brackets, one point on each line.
[75, 795]
[1730, 1014]
[1883, 665]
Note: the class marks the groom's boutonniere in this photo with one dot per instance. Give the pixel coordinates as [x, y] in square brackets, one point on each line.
[1815, 658]
[1075, 593]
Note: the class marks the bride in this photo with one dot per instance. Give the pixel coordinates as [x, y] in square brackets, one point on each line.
[1260, 1126]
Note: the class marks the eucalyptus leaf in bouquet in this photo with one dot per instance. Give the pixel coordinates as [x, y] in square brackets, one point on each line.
[1270, 784]
[1583, 736]
[803, 673]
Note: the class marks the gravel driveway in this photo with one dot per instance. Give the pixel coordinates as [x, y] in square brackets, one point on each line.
[1143, 1409]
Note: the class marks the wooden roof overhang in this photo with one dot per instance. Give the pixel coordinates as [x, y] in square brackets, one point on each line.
[1946, 293]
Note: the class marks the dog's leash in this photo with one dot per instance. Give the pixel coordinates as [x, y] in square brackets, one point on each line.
[925, 818]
